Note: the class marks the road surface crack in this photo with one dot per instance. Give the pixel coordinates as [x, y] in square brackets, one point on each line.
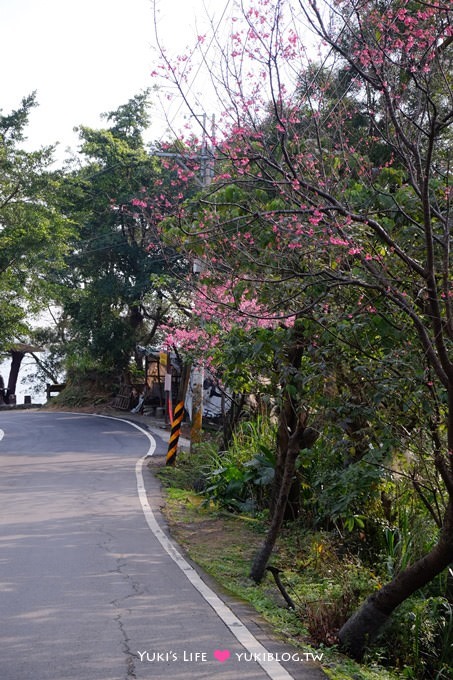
[130, 658]
[133, 589]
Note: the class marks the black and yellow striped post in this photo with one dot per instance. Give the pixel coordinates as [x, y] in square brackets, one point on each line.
[178, 415]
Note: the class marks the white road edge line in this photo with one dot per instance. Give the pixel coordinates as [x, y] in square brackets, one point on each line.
[272, 668]
[2, 434]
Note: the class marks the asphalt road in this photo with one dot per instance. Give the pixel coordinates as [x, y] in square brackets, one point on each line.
[91, 586]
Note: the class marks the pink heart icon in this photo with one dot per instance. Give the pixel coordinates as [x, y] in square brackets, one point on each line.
[222, 655]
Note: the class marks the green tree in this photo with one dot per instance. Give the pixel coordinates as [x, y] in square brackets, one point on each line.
[117, 289]
[33, 232]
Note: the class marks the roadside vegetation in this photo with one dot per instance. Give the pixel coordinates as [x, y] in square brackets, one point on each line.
[216, 504]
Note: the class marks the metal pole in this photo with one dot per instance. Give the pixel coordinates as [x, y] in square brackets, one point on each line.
[197, 406]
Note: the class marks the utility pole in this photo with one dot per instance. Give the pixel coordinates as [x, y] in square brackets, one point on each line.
[207, 172]
[206, 158]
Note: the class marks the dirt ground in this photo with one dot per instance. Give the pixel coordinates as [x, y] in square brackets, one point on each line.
[202, 532]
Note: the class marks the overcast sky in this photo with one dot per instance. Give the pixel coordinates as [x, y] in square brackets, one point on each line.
[86, 57]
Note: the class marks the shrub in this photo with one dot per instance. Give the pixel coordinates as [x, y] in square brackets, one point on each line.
[419, 638]
[239, 479]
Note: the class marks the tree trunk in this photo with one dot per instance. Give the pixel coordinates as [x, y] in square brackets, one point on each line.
[16, 360]
[231, 419]
[363, 626]
[301, 438]
[287, 422]
[287, 426]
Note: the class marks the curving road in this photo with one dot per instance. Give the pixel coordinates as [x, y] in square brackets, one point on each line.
[91, 587]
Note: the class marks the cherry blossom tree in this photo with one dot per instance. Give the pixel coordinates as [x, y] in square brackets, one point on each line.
[333, 181]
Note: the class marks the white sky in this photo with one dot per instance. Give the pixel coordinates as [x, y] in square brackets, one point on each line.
[86, 57]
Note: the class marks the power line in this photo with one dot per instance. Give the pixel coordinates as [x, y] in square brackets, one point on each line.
[191, 84]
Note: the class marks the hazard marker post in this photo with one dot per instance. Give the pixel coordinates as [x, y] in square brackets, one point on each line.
[178, 416]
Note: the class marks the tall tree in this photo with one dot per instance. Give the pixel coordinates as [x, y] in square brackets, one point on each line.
[345, 191]
[116, 292]
[33, 233]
